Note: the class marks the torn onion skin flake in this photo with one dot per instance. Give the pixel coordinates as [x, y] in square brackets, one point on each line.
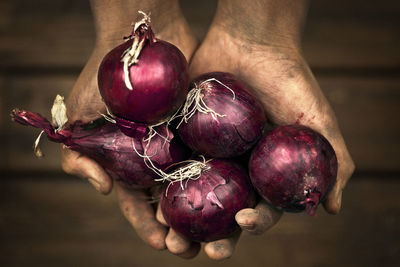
[204, 209]
[144, 79]
[113, 150]
[293, 167]
[229, 119]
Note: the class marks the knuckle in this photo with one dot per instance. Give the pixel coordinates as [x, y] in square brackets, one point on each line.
[66, 166]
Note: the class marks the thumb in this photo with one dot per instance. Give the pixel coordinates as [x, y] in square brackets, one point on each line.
[77, 164]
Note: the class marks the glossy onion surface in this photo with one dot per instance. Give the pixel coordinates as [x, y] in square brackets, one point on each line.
[160, 81]
[293, 167]
[236, 131]
[205, 210]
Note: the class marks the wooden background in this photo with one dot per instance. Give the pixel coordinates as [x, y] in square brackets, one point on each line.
[48, 218]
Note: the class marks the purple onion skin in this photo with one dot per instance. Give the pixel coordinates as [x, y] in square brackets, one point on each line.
[205, 210]
[160, 81]
[233, 134]
[293, 167]
[112, 149]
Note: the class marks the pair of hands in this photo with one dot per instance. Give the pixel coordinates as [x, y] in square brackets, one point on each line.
[279, 76]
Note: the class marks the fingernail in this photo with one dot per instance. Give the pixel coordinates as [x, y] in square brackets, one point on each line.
[95, 184]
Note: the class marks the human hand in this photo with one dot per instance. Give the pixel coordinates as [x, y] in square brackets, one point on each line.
[264, 51]
[113, 21]
[268, 58]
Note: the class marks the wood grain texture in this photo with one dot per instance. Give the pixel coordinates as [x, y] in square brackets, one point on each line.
[367, 109]
[57, 221]
[338, 33]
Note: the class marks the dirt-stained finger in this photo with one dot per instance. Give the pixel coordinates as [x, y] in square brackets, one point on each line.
[191, 252]
[258, 220]
[160, 216]
[138, 211]
[77, 164]
[333, 201]
[176, 243]
[222, 249]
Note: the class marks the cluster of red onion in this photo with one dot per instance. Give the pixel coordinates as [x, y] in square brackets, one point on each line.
[144, 84]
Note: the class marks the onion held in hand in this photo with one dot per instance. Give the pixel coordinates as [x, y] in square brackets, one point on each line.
[144, 79]
[113, 150]
[221, 117]
[293, 167]
[205, 209]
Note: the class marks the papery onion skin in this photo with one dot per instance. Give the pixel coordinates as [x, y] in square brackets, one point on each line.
[205, 210]
[293, 167]
[160, 82]
[234, 133]
[113, 150]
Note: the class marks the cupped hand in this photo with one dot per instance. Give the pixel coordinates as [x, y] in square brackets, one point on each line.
[84, 103]
[282, 80]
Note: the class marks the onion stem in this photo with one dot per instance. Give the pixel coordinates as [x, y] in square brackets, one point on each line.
[141, 32]
[195, 103]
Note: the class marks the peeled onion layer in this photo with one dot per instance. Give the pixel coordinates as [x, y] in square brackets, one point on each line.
[293, 167]
[113, 150]
[204, 209]
[159, 79]
[239, 125]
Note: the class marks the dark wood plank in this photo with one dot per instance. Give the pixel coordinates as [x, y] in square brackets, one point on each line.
[367, 109]
[341, 33]
[64, 222]
[45, 33]
[353, 34]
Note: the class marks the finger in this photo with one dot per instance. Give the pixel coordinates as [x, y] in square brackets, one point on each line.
[333, 200]
[77, 164]
[192, 251]
[176, 243]
[258, 220]
[159, 215]
[139, 212]
[222, 249]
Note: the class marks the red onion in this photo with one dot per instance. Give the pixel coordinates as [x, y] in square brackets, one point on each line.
[204, 209]
[221, 117]
[113, 150]
[144, 79]
[293, 167]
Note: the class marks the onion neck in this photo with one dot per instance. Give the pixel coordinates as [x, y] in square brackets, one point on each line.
[141, 34]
